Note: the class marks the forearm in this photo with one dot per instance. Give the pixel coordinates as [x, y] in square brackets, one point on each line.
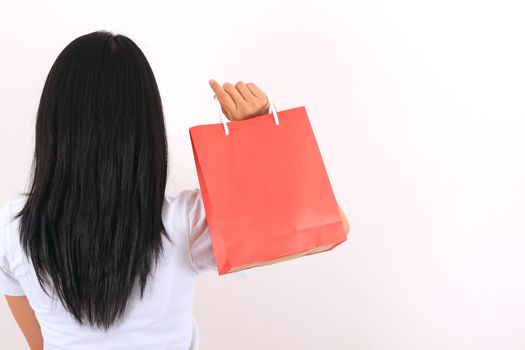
[26, 320]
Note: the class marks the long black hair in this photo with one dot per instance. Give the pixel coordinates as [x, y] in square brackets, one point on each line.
[92, 220]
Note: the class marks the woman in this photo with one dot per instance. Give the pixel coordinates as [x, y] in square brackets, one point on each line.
[95, 255]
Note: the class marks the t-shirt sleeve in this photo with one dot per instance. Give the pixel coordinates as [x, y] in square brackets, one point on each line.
[201, 249]
[8, 283]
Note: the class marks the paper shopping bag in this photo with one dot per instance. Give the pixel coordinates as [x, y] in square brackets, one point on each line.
[265, 190]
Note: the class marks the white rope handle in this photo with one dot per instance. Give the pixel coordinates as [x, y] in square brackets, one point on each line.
[225, 120]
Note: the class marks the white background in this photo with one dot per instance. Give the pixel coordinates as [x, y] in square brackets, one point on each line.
[418, 109]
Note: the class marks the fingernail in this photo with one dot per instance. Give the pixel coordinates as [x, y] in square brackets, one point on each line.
[212, 81]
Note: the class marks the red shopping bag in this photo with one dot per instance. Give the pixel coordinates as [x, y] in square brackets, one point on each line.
[265, 190]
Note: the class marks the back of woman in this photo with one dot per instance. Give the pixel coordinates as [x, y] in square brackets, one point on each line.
[95, 255]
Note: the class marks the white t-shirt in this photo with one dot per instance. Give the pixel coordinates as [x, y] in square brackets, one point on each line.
[163, 319]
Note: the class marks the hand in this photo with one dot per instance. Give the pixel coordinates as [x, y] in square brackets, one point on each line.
[240, 101]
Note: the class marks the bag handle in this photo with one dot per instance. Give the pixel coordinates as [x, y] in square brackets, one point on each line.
[225, 120]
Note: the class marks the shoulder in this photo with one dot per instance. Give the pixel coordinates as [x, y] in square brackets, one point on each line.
[181, 208]
[8, 223]
[185, 200]
[188, 206]
[185, 195]
[9, 208]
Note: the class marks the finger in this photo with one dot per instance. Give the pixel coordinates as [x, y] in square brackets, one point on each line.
[224, 98]
[227, 113]
[256, 91]
[245, 92]
[235, 94]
